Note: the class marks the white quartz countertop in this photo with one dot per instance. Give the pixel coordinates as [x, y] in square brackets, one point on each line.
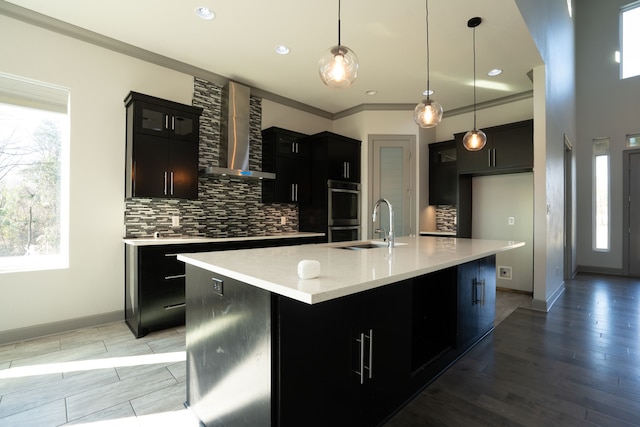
[182, 240]
[343, 272]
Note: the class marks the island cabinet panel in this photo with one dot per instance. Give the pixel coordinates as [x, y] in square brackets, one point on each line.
[351, 354]
[476, 300]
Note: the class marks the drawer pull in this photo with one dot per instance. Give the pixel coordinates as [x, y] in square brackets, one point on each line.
[173, 306]
[171, 255]
[177, 276]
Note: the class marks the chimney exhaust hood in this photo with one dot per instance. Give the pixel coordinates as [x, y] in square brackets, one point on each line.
[234, 135]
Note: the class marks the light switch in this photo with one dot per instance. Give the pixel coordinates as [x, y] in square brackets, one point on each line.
[175, 221]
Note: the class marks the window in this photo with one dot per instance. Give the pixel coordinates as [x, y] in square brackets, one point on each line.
[633, 140]
[33, 175]
[601, 194]
[630, 40]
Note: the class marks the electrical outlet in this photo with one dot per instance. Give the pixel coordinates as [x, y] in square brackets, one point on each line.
[283, 220]
[504, 272]
[512, 220]
[175, 221]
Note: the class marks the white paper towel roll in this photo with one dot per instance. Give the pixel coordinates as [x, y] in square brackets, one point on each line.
[308, 269]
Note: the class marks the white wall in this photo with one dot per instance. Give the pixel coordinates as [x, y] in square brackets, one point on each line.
[552, 30]
[282, 116]
[98, 80]
[606, 107]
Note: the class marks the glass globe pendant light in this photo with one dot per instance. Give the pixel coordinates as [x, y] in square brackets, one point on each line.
[428, 113]
[475, 139]
[339, 64]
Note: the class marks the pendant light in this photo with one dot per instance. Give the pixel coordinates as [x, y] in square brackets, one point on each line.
[428, 113]
[339, 64]
[475, 139]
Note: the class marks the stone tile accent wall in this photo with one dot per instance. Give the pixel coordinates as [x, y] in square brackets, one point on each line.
[226, 207]
[446, 218]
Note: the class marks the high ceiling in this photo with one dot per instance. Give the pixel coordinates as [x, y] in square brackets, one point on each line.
[388, 37]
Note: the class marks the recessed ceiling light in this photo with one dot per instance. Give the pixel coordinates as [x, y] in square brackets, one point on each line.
[494, 72]
[371, 92]
[205, 13]
[428, 92]
[282, 50]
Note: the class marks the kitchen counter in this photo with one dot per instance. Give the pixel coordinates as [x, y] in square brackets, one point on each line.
[343, 272]
[265, 347]
[182, 240]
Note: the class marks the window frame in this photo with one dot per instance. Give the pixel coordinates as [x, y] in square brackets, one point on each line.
[21, 92]
[635, 6]
[601, 148]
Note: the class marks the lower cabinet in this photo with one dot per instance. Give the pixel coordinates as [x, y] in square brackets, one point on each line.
[155, 280]
[350, 356]
[476, 299]
[259, 359]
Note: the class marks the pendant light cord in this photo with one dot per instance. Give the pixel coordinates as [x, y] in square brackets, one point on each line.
[474, 78]
[427, 26]
[338, 22]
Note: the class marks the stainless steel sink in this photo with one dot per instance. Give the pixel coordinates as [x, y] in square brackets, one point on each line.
[367, 245]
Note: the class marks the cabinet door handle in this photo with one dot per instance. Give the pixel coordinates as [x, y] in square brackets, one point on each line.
[370, 367]
[174, 306]
[296, 198]
[166, 121]
[475, 297]
[171, 175]
[494, 157]
[173, 123]
[177, 276]
[361, 371]
[489, 157]
[293, 192]
[165, 183]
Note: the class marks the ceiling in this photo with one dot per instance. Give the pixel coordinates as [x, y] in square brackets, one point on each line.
[388, 37]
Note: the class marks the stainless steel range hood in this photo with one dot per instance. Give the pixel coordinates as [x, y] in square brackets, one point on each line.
[234, 135]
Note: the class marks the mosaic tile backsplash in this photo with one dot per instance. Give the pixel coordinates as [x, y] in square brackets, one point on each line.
[446, 218]
[226, 207]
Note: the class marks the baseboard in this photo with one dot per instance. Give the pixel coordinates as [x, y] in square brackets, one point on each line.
[545, 305]
[37, 331]
[600, 270]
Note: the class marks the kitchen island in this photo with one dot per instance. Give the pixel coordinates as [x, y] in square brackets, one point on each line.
[349, 347]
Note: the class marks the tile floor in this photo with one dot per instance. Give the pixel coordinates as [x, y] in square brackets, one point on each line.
[104, 377]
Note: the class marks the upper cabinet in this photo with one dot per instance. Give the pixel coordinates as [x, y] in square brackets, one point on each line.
[283, 154]
[509, 149]
[334, 157]
[162, 148]
[443, 179]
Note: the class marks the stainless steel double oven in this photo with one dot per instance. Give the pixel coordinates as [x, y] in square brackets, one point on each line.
[343, 211]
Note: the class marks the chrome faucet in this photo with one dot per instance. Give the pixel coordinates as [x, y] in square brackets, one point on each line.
[390, 238]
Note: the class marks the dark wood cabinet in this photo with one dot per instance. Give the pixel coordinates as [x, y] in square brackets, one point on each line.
[276, 360]
[283, 154]
[162, 148]
[509, 149]
[155, 280]
[334, 157]
[443, 173]
[352, 354]
[476, 300]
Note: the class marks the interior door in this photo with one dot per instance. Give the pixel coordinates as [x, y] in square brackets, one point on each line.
[393, 178]
[634, 214]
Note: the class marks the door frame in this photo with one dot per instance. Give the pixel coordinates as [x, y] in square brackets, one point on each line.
[626, 194]
[373, 170]
[568, 209]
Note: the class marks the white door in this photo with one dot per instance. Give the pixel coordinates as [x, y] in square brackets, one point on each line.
[392, 178]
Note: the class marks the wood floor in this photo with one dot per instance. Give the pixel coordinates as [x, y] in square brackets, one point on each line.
[577, 365]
